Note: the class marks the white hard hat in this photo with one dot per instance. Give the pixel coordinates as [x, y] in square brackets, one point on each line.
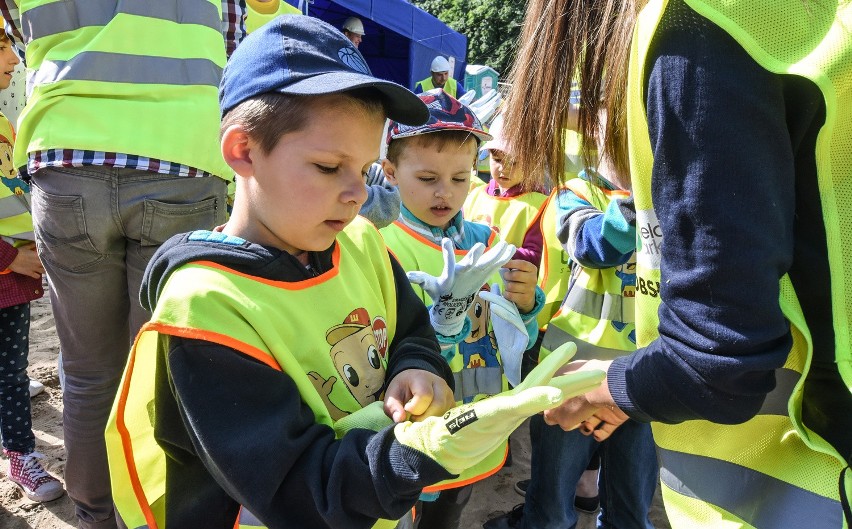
[354, 25]
[440, 64]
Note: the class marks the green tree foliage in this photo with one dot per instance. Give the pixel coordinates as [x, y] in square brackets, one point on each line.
[492, 28]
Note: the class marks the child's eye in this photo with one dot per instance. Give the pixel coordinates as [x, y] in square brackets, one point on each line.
[426, 179]
[460, 180]
[326, 169]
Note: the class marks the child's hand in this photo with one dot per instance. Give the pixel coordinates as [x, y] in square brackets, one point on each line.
[520, 278]
[417, 393]
[27, 262]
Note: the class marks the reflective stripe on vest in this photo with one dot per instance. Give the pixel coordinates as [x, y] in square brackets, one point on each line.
[202, 300]
[122, 68]
[58, 17]
[512, 217]
[771, 470]
[136, 77]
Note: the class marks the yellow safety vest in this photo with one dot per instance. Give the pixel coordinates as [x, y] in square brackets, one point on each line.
[451, 86]
[771, 471]
[554, 272]
[16, 223]
[138, 78]
[597, 312]
[278, 323]
[476, 365]
[259, 13]
[511, 217]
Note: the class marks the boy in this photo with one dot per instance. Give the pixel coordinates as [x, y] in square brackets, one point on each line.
[20, 283]
[431, 165]
[504, 204]
[291, 317]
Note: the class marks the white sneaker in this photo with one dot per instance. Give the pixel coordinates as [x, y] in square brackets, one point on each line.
[36, 387]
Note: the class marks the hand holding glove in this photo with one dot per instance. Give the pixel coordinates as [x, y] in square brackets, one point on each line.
[453, 291]
[468, 433]
[510, 331]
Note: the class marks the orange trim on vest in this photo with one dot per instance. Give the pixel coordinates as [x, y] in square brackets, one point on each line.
[183, 332]
[296, 285]
[427, 242]
[458, 484]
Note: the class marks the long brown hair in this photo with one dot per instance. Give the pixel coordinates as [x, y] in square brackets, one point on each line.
[561, 40]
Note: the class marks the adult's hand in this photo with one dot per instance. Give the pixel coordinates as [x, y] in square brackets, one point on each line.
[595, 412]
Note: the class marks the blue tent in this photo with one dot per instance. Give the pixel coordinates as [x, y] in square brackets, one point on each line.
[401, 39]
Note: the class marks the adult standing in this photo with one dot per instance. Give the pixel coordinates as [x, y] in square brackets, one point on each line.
[734, 120]
[353, 28]
[439, 78]
[120, 138]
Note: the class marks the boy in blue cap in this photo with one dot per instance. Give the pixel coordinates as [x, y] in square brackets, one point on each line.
[273, 337]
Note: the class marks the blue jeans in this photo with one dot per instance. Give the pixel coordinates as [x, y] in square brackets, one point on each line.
[628, 476]
[96, 229]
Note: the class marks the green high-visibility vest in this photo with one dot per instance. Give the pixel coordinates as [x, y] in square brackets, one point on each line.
[451, 86]
[283, 325]
[138, 78]
[511, 217]
[597, 309]
[771, 471]
[16, 223]
[477, 369]
[259, 13]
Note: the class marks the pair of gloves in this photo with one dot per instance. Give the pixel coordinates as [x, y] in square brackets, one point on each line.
[454, 290]
[466, 434]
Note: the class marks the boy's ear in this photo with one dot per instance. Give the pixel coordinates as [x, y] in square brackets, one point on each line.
[236, 150]
[390, 171]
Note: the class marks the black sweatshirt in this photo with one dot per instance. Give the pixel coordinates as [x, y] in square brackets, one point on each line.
[236, 431]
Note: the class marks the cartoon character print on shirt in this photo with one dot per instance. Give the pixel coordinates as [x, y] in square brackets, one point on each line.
[479, 353]
[627, 273]
[8, 173]
[358, 349]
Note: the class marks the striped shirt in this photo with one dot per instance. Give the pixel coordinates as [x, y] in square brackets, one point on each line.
[233, 31]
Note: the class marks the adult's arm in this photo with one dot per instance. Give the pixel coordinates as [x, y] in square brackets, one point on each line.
[723, 191]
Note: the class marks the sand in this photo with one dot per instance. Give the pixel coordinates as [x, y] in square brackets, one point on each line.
[490, 497]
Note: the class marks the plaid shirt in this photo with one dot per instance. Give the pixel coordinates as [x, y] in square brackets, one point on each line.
[233, 30]
[15, 288]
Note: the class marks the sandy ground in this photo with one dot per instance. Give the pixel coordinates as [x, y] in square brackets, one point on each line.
[490, 497]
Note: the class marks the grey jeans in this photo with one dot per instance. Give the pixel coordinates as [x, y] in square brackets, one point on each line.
[96, 229]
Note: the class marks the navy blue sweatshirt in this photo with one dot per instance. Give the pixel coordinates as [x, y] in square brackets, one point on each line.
[236, 431]
[734, 186]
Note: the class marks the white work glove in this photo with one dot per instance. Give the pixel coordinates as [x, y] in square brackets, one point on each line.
[510, 331]
[453, 292]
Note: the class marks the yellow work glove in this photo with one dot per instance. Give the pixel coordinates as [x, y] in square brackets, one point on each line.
[466, 434]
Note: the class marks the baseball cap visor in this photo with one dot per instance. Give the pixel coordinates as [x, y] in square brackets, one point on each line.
[401, 104]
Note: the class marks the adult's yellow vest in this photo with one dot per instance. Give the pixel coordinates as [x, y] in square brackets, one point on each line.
[138, 78]
[772, 471]
[597, 312]
[476, 365]
[451, 86]
[511, 217]
[259, 13]
[284, 325]
[16, 223]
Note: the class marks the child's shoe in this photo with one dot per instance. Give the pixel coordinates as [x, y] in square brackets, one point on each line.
[26, 472]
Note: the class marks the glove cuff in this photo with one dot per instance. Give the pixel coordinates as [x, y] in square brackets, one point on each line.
[452, 332]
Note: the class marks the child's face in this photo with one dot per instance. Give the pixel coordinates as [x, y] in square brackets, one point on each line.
[501, 170]
[299, 196]
[433, 184]
[8, 60]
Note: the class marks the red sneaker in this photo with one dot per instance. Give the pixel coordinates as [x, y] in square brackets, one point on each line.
[26, 472]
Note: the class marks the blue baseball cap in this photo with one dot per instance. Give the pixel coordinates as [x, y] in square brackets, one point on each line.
[302, 55]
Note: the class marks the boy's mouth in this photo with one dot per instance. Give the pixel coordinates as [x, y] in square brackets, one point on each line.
[337, 224]
[440, 210]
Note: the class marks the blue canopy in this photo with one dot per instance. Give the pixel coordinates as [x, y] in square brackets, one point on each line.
[401, 39]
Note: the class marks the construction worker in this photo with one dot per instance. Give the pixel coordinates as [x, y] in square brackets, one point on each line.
[440, 78]
[353, 28]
